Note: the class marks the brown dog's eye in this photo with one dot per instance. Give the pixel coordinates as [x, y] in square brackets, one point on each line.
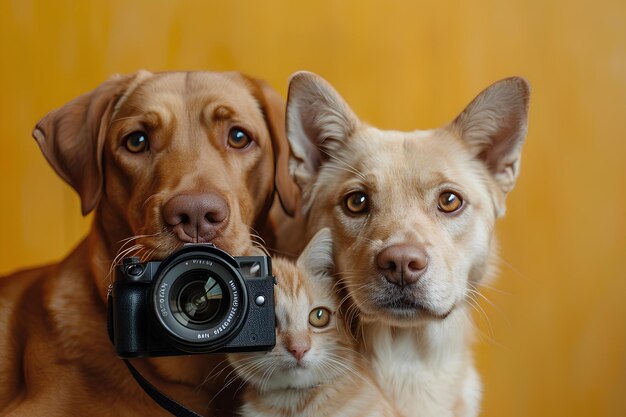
[238, 139]
[137, 142]
[449, 202]
[356, 202]
[319, 317]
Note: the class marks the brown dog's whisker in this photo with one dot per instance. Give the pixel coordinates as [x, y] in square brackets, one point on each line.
[257, 235]
[128, 240]
[261, 248]
[147, 200]
[123, 253]
[258, 242]
[284, 253]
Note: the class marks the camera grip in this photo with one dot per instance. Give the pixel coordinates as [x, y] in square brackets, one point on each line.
[130, 322]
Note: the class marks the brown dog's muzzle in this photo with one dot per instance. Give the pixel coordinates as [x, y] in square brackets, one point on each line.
[196, 218]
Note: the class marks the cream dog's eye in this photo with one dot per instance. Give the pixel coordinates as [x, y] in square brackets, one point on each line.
[356, 202]
[137, 142]
[449, 202]
[238, 139]
[319, 317]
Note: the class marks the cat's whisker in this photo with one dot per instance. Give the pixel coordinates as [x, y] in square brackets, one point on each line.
[215, 372]
[339, 361]
[266, 377]
[228, 380]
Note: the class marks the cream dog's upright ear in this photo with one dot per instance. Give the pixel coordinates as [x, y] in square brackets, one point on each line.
[494, 125]
[72, 137]
[318, 121]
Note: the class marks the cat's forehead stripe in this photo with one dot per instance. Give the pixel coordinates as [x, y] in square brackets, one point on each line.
[291, 281]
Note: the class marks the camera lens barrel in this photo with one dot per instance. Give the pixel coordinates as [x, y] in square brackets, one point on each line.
[200, 298]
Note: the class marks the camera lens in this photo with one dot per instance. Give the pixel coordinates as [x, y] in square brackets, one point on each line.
[199, 300]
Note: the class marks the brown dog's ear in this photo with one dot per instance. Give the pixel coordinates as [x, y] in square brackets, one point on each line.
[274, 109]
[494, 125]
[318, 121]
[72, 138]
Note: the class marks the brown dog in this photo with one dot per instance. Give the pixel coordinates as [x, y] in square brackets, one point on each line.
[163, 159]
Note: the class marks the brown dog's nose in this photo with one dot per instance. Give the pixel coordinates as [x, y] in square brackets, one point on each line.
[196, 218]
[402, 264]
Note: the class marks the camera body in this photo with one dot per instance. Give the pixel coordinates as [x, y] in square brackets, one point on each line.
[198, 300]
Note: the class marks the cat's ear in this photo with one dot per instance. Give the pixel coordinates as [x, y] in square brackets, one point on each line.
[317, 257]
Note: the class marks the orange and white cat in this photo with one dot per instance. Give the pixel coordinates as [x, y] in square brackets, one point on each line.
[313, 370]
[412, 216]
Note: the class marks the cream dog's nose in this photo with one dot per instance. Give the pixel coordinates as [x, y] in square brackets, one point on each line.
[402, 264]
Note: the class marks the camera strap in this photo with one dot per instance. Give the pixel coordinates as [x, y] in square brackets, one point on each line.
[172, 406]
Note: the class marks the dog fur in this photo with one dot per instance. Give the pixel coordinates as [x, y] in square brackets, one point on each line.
[55, 355]
[415, 334]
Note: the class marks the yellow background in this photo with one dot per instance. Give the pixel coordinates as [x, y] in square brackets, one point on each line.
[555, 342]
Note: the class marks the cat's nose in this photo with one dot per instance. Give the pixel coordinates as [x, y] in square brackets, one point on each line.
[299, 348]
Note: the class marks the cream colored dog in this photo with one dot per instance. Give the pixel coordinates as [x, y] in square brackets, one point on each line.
[412, 214]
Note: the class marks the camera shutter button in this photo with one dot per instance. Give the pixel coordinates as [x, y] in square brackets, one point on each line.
[259, 300]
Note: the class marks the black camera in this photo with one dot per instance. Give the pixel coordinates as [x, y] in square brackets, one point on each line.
[199, 299]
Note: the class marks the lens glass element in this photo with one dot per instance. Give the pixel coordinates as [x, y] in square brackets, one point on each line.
[199, 299]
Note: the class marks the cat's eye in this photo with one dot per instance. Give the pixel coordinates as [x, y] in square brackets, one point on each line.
[319, 317]
[449, 202]
[136, 142]
[238, 139]
[356, 202]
